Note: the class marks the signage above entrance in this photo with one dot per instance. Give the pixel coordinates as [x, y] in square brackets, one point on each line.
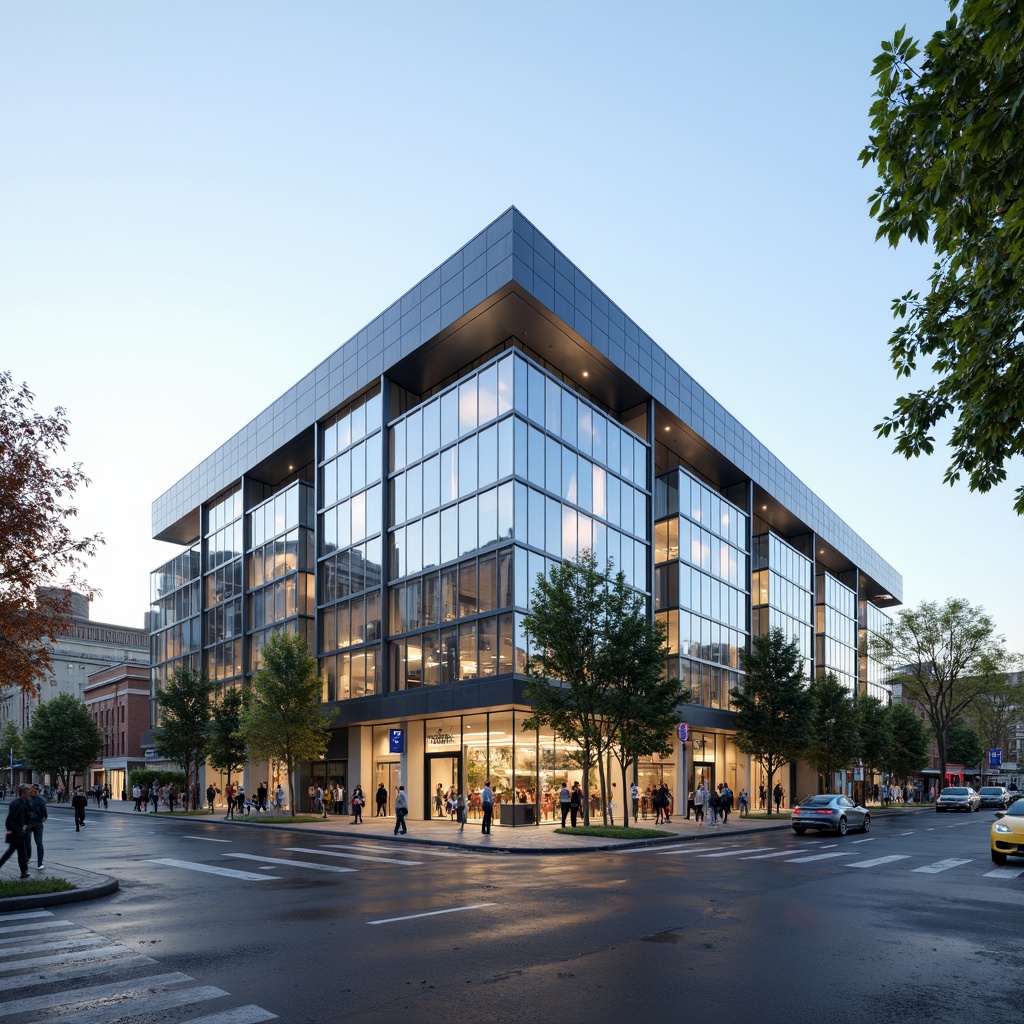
[396, 741]
[440, 739]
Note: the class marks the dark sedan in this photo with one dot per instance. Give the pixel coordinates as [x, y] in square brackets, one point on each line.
[829, 813]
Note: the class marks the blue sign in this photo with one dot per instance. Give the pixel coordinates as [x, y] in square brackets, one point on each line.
[995, 757]
[397, 741]
[683, 732]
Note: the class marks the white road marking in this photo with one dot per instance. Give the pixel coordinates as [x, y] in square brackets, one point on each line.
[731, 853]
[328, 852]
[42, 947]
[25, 915]
[65, 972]
[870, 839]
[63, 958]
[34, 927]
[66, 997]
[1004, 873]
[819, 856]
[240, 1015]
[206, 839]
[431, 913]
[767, 856]
[63, 934]
[879, 860]
[693, 848]
[140, 1005]
[290, 863]
[210, 869]
[942, 865]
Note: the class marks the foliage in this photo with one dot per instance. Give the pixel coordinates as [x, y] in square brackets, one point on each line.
[10, 744]
[909, 751]
[281, 713]
[227, 751]
[964, 746]
[773, 709]
[39, 552]
[998, 709]
[834, 741]
[947, 139]
[183, 735]
[947, 655]
[162, 776]
[33, 886]
[874, 730]
[62, 738]
[614, 832]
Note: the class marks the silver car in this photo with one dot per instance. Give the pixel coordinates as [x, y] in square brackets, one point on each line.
[829, 813]
[958, 798]
[994, 796]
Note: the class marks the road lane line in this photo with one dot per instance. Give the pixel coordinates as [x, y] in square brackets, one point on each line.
[137, 1005]
[352, 856]
[291, 863]
[732, 853]
[210, 869]
[818, 856]
[870, 839]
[250, 1014]
[68, 997]
[942, 865]
[879, 860]
[767, 856]
[66, 972]
[431, 913]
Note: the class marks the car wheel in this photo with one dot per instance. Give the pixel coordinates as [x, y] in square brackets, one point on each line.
[998, 858]
[842, 826]
[799, 831]
[867, 823]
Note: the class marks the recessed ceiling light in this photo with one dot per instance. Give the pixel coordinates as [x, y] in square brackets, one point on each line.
[585, 374]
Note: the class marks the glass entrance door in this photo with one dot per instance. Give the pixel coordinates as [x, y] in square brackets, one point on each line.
[443, 772]
[388, 772]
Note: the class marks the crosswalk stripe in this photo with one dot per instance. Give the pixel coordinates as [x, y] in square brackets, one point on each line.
[290, 863]
[876, 861]
[63, 958]
[74, 937]
[140, 1005]
[730, 853]
[68, 997]
[25, 915]
[767, 856]
[942, 865]
[210, 869]
[819, 856]
[249, 1014]
[1004, 873]
[328, 852]
[19, 930]
[694, 848]
[64, 972]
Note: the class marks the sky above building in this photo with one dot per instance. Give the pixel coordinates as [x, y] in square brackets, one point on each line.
[199, 202]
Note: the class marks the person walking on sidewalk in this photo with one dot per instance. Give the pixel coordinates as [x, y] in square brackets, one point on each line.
[700, 796]
[401, 810]
[564, 796]
[381, 798]
[487, 802]
[37, 817]
[79, 802]
[18, 821]
[460, 811]
[357, 805]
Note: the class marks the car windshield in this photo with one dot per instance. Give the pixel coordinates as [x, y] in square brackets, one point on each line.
[1016, 808]
[954, 791]
[991, 791]
[816, 801]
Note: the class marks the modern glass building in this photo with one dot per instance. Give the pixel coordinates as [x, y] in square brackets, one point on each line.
[396, 505]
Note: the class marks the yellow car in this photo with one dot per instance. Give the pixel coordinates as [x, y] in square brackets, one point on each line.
[1008, 832]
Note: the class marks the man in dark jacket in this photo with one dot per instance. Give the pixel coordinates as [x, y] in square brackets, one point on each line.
[79, 802]
[37, 817]
[18, 818]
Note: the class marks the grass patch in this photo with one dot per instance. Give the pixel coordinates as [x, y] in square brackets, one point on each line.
[33, 886]
[614, 832]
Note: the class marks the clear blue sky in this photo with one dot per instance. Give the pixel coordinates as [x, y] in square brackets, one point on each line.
[199, 202]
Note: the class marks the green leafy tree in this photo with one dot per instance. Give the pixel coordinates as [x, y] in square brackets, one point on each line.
[950, 655]
[964, 745]
[62, 739]
[834, 738]
[947, 140]
[564, 684]
[281, 713]
[998, 709]
[227, 751]
[909, 751]
[183, 735]
[773, 710]
[874, 728]
[10, 744]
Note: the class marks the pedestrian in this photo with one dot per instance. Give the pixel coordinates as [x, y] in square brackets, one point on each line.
[744, 804]
[487, 802]
[725, 798]
[666, 804]
[106, 796]
[689, 804]
[240, 798]
[211, 795]
[79, 802]
[761, 796]
[18, 823]
[381, 799]
[172, 796]
[564, 796]
[438, 800]
[712, 806]
[634, 795]
[357, 805]
[137, 796]
[460, 811]
[778, 794]
[318, 801]
[154, 795]
[700, 797]
[229, 794]
[37, 816]
[401, 810]
[261, 796]
[339, 798]
[575, 803]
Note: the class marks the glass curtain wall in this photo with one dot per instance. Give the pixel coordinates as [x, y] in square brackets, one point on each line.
[700, 584]
[351, 525]
[493, 480]
[874, 673]
[836, 631]
[782, 594]
[222, 640]
[175, 617]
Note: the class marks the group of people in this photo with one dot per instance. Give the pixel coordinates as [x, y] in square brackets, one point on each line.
[26, 816]
[778, 796]
[709, 804]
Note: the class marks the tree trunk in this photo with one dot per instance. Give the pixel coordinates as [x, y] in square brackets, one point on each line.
[586, 784]
[626, 802]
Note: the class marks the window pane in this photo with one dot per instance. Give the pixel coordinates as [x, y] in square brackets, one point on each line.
[450, 416]
[467, 406]
[505, 372]
[487, 507]
[467, 527]
[488, 394]
[431, 427]
[488, 456]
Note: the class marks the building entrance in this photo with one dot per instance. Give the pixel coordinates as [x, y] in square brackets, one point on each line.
[444, 770]
[390, 773]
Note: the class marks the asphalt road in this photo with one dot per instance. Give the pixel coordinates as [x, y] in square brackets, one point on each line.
[909, 923]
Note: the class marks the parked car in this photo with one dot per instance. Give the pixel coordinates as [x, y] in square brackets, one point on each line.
[829, 813]
[1008, 833]
[995, 796]
[958, 798]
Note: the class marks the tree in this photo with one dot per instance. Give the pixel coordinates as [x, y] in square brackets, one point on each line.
[998, 708]
[227, 751]
[564, 684]
[39, 555]
[947, 139]
[834, 734]
[964, 746]
[183, 735]
[62, 739]
[909, 751]
[641, 703]
[281, 713]
[10, 744]
[949, 654]
[773, 708]
[874, 729]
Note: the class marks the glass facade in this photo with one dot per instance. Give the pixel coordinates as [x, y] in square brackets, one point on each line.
[874, 673]
[175, 618]
[700, 584]
[836, 631]
[781, 592]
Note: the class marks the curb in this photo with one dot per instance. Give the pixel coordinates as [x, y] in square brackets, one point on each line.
[97, 886]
